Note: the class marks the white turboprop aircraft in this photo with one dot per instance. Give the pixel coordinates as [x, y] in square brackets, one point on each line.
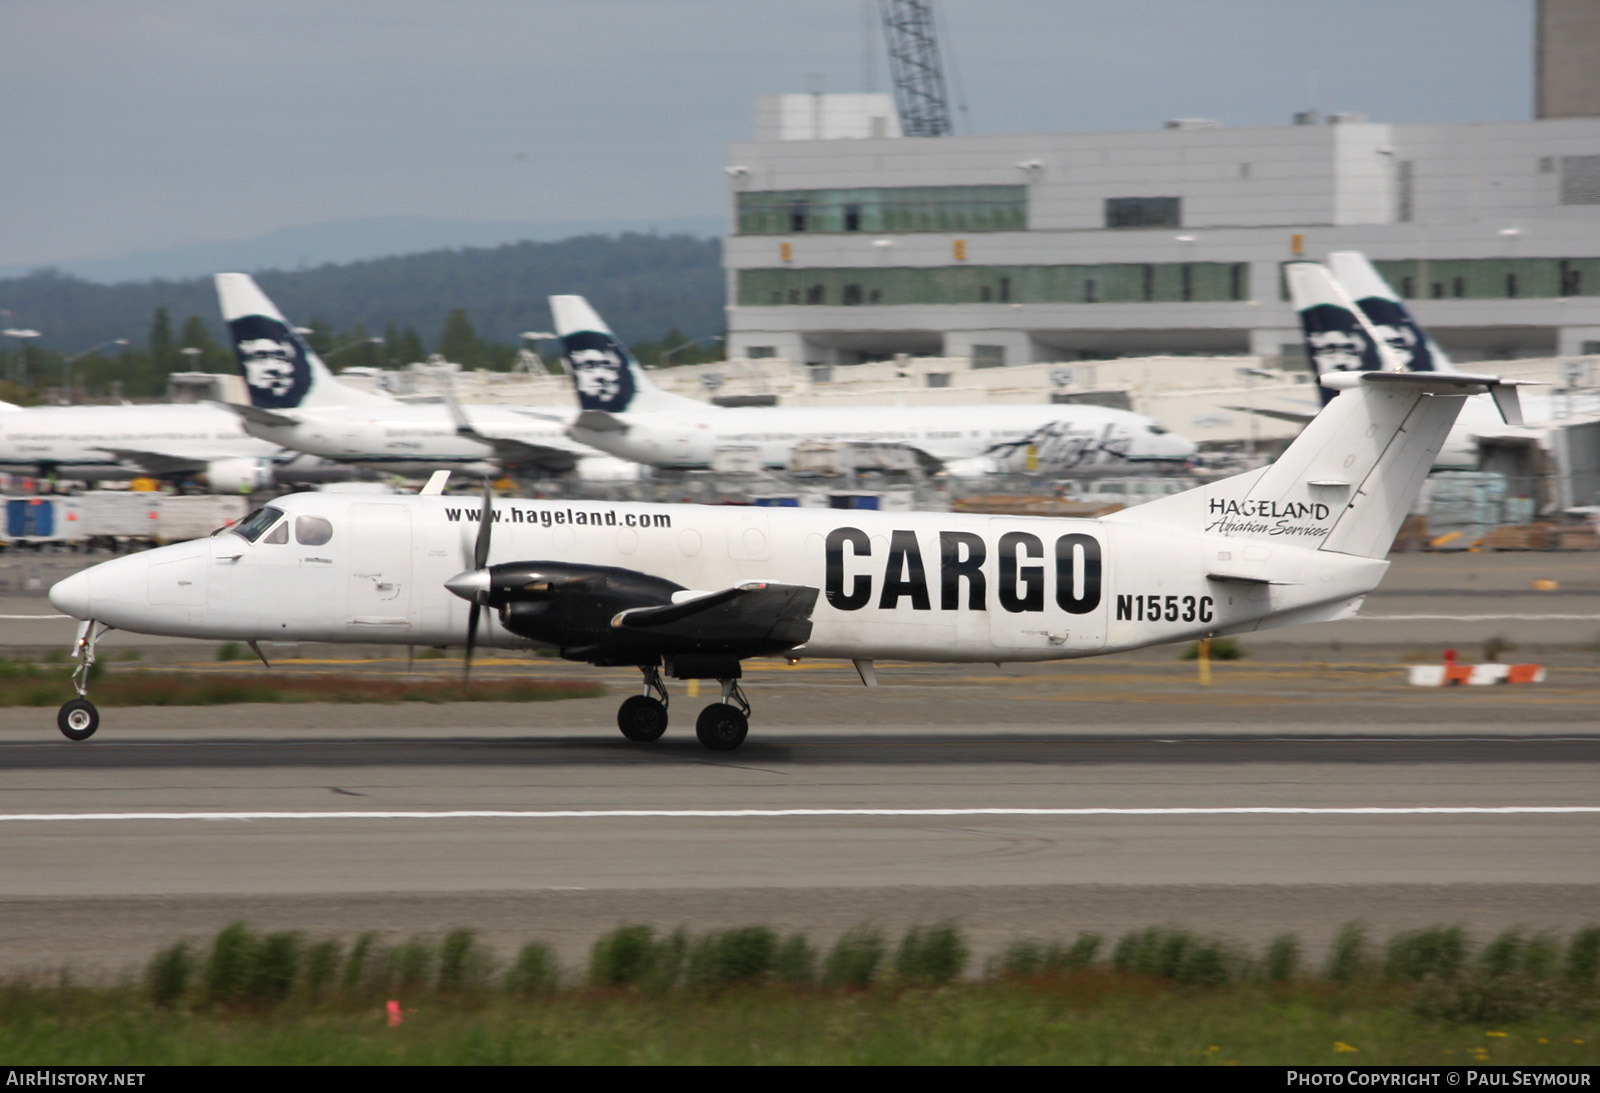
[692, 591]
[297, 402]
[627, 415]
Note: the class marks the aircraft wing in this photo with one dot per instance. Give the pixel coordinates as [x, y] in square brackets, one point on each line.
[754, 611]
[158, 464]
[550, 454]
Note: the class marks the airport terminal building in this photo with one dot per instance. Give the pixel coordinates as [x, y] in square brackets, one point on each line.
[849, 242]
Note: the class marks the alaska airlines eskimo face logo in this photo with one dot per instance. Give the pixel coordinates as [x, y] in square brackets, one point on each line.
[1396, 327]
[272, 361]
[1335, 341]
[599, 371]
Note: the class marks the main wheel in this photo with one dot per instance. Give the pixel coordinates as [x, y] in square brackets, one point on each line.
[78, 719]
[642, 719]
[721, 727]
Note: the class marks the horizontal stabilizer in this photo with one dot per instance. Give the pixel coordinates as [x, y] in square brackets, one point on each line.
[256, 415]
[598, 421]
[1298, 417]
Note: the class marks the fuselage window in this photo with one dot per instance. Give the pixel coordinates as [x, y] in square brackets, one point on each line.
[258, 521]
[312, 530]
[279, 534]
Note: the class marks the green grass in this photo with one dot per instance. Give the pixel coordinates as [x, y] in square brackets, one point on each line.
[34, 685]
[750, 995]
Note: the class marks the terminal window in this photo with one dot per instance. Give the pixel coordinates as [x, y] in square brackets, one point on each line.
[884, 209]
[1104, 283]
[1144, 212]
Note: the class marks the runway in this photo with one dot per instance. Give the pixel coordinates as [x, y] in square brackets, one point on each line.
[1019, 801]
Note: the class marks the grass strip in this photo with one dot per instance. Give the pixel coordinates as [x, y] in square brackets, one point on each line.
[753, 995]
[27, 685]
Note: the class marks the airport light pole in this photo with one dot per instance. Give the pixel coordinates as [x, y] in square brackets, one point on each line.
[68, 362]
[530, 339]
[1250, 376]
[666, 357]
[330, 354]
[22, 336]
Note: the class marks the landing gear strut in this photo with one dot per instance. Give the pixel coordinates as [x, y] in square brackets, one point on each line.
[643, 718]
[78, 718]
[722, 726]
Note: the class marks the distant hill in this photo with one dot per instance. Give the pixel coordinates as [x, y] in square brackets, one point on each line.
[643, 284]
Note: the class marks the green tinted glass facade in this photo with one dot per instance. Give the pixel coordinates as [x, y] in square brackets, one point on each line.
[1492, 278]
[885, 209]
[1172, 282]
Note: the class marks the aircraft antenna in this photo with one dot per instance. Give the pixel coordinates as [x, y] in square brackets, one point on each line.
[915, 67]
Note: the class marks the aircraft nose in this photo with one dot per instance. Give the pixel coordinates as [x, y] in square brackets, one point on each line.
[71, 596]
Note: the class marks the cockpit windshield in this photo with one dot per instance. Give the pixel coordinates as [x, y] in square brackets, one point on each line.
[257, 522]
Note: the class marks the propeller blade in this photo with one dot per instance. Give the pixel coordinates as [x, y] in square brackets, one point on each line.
[472, 640]
[478, 579]
[480, 550]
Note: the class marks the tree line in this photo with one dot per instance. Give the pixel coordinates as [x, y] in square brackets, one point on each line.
[662, 294]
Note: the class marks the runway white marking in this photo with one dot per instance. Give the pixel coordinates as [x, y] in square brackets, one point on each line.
[795, 813]
[1478, 618]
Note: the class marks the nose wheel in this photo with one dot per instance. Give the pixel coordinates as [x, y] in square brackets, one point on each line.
[78, 719]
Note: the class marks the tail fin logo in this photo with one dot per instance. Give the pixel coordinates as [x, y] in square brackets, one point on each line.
[1336, 342]
[272, 360]
[1394, 325]
[600, 370]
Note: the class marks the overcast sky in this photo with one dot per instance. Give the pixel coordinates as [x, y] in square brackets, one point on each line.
[128, 125]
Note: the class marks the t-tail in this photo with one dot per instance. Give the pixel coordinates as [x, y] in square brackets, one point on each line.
[280, 370]
[607, 378]
[1338, 336]
[1387, 313]
[1344, 485]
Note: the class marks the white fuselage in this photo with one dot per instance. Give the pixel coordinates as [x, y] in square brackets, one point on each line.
[1063, 439]
[917, 586]
[416, 437]
[82, 441]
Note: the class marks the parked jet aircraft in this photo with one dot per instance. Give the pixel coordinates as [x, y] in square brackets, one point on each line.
[626, 414]
[691, 591]
[165, 440]
[1363, 323]
[297, 402]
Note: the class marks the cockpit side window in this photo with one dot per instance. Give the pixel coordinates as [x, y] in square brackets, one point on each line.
[279, 534]
[258, 521]
[312, 530]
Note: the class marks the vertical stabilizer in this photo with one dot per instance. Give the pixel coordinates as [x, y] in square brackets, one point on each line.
[1386, 312]
[605, 374]
[1338, 336]
[1347, 481]
[280, 370]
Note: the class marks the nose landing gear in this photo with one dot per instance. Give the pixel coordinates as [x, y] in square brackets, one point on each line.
[78, 719]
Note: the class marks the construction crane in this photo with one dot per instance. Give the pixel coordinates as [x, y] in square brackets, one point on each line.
[919, 92]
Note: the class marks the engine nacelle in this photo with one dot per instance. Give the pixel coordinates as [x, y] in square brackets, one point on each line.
[607, 468]
[238, 475]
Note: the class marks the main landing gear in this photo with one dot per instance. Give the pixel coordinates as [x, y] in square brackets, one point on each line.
[721, 726]
[78, 719]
